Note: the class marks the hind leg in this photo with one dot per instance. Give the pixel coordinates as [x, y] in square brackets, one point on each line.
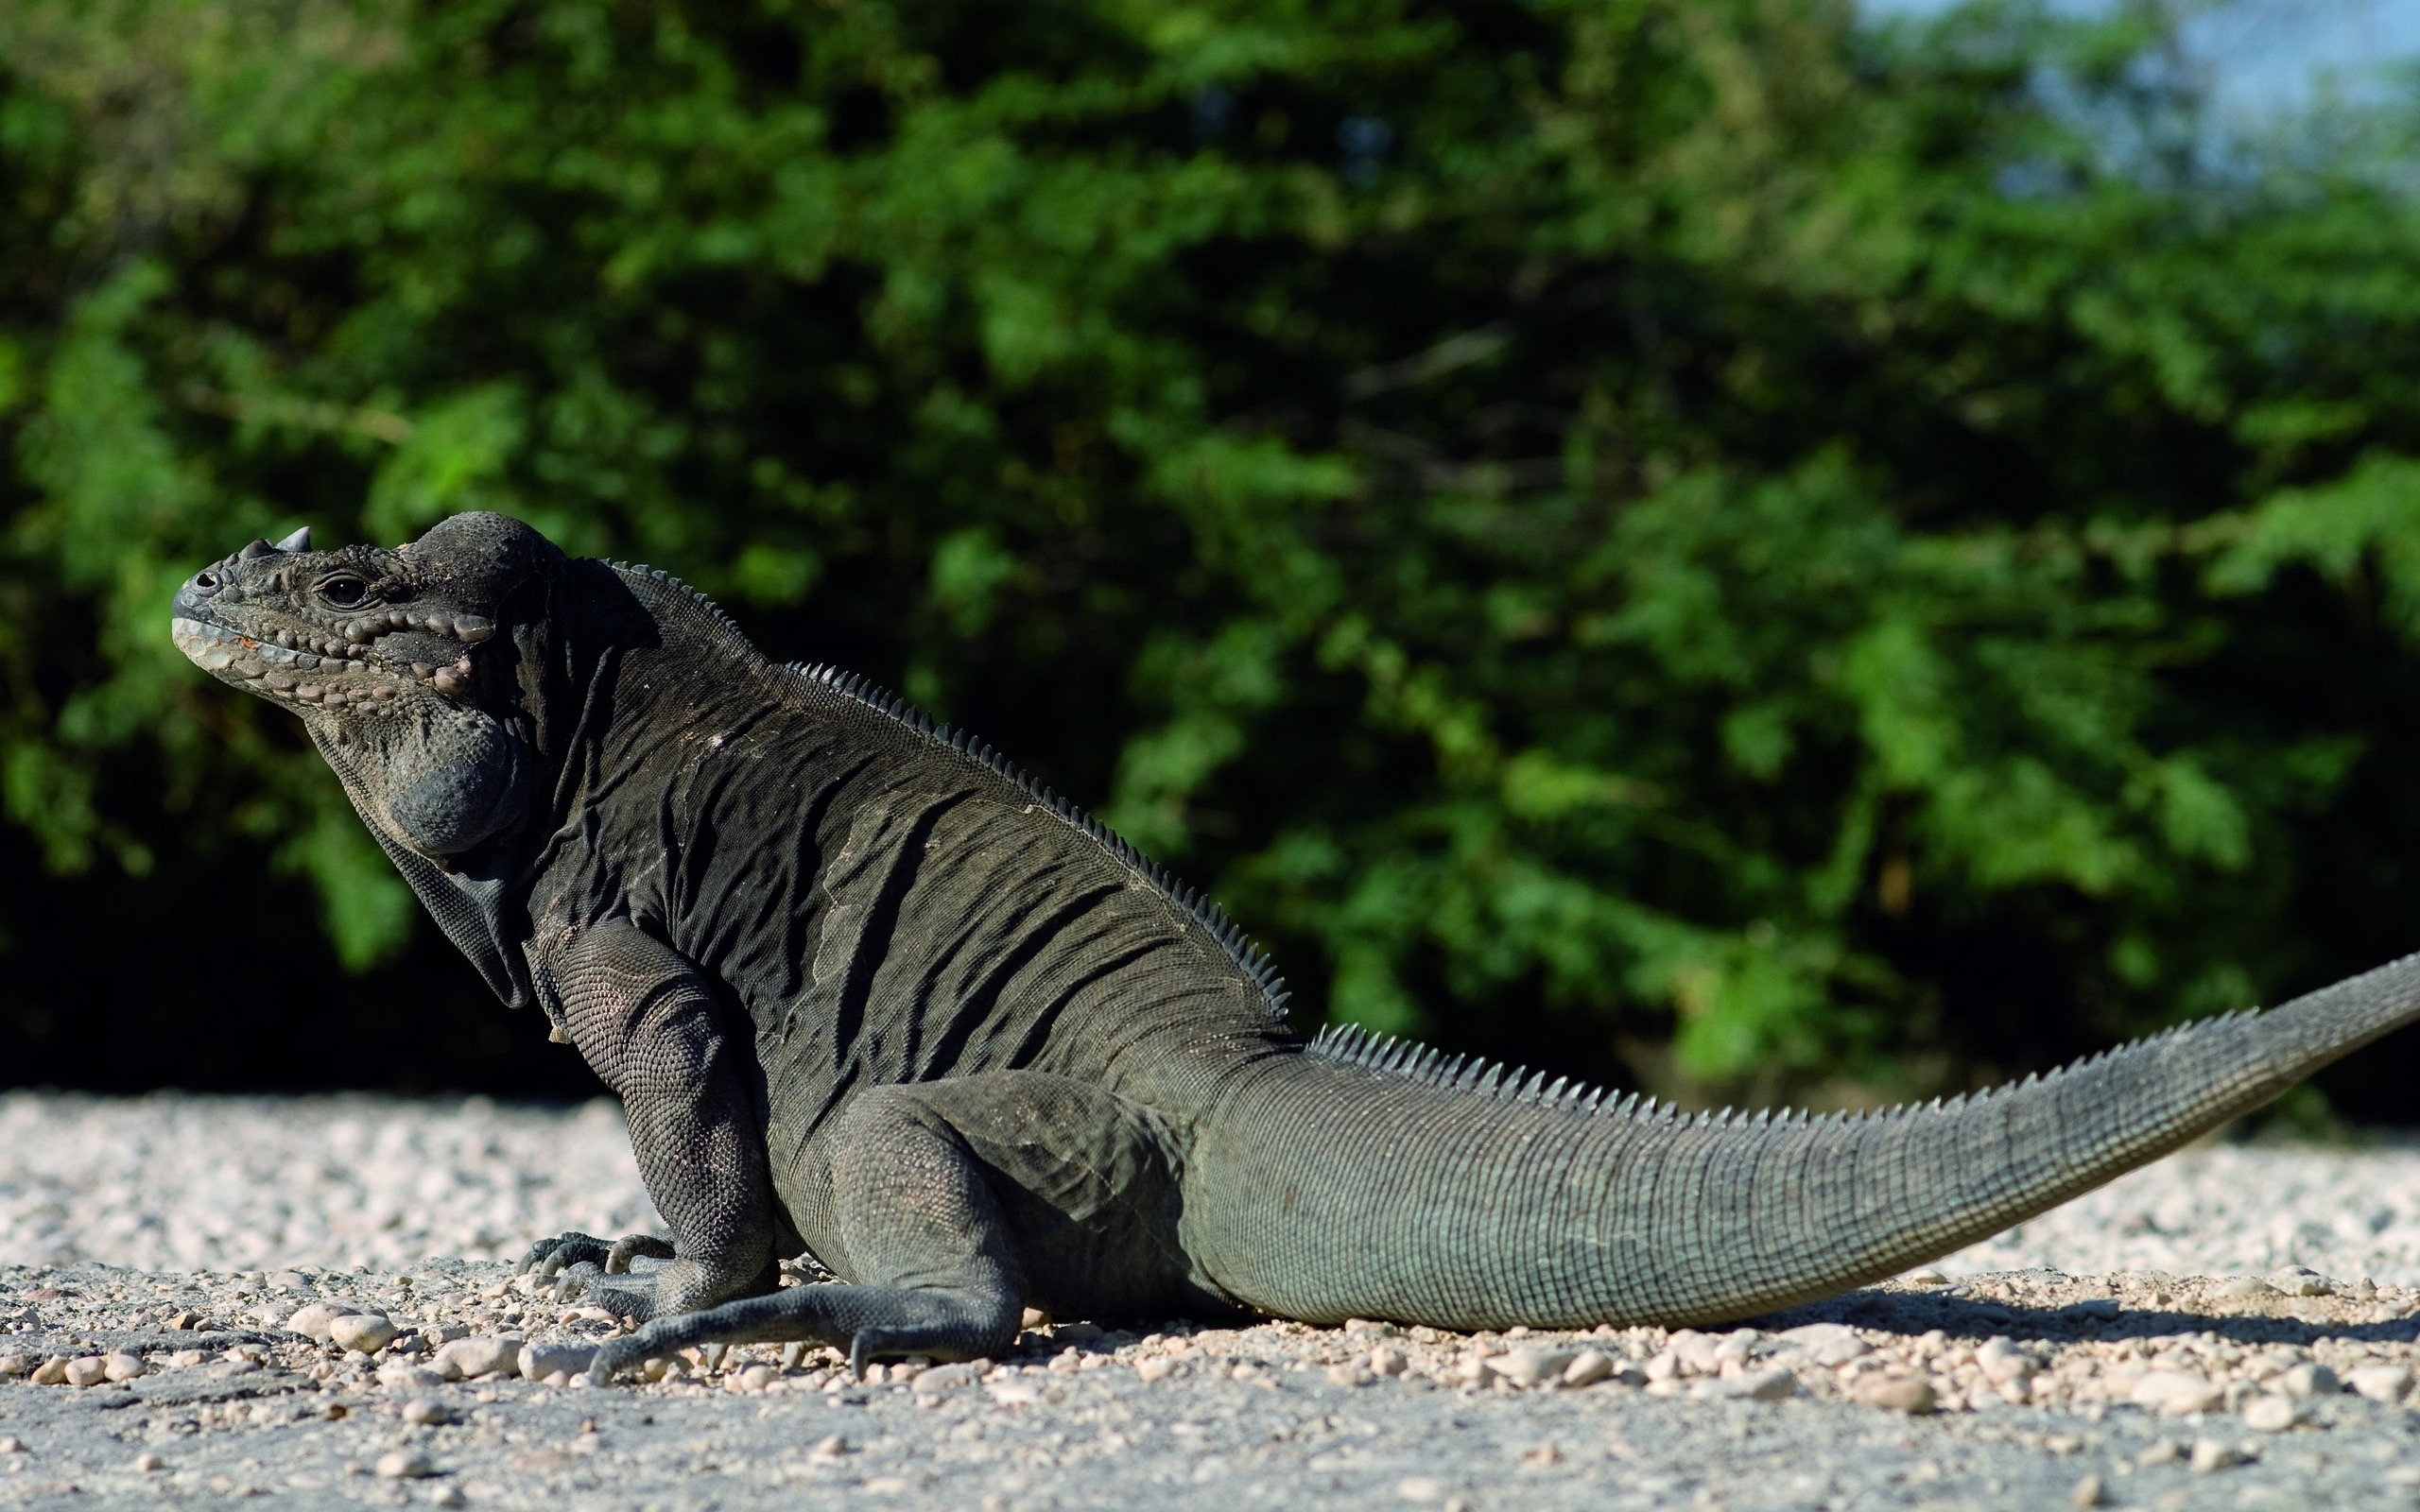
[917, 1227]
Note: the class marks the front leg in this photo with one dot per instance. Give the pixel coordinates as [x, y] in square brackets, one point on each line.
[642, 1018]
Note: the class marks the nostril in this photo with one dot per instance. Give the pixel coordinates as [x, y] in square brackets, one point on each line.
[205, 581]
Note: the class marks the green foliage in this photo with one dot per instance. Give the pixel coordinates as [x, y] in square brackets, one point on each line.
[1804, 552]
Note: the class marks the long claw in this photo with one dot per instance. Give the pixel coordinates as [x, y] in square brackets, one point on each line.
[713, 1353]
[617, 1260]
[792, 1353]
[858, 1356]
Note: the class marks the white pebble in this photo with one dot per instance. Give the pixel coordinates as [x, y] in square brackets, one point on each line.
[481, 1355]
[2309, 1379]
[1154, 1367]
[1758, 1386]
[1533, 1367]
[404, 1465]
[2212, 1454]
[1829, 1344]
[2177, 1392]
[122, 1365]
[540, 1361]
[941, 1378]
[363, 1332]
[402, 1375]
[313, 1320]
[2381, 1383]
[2270, 1414]
[2300, 1281]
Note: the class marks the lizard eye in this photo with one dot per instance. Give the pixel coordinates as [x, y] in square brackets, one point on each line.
[344, 590]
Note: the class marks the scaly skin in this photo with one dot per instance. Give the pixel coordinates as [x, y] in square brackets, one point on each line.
[869, 995]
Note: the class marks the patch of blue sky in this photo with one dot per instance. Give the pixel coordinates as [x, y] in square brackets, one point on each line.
[2259, 60]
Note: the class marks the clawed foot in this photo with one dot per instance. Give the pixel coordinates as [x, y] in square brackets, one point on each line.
[581, 1265]
[668, 1337]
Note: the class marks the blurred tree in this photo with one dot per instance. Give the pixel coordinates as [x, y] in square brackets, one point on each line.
[1700, 541]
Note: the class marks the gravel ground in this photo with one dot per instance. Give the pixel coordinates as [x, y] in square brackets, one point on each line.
[304, 1299]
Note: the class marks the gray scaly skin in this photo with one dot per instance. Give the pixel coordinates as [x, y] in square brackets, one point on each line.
[869, 995]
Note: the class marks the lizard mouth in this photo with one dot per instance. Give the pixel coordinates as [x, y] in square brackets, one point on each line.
[277, 672]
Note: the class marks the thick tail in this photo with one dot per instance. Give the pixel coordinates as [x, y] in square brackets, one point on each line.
[1362, 1180]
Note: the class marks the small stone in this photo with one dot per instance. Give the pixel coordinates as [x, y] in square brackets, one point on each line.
[13, 1366]
[481, 1355]
[424, 1413]
[944, 1377]
[2087, 1492]
[1925, 1276]
[2002, 1362]
[404, 1465]
[1911, 1394]
[2243, 1288]
[51, 1372]
[2267, 1414]
[1349, 1375]
[1421, 1489]
[2381, 1383]
[362, 1332]
[1825, 1344]
[13, 1445]
[1386, 1359]
[2309, 1379]
[124, 1365]
[146, 1464]
[1156, 1367]
[832, 1446]
[447, 1494]
[1587, 1368]
[539, 1361]
[313, 1320]
[402, 1375]
[1755, 1386]
[2212, 1454]
[2301, 1281]
[290, 1281]
[755, 1377]
[2161, 1453]
[89, 1371]
[2178, 1392]
[1533, 1367]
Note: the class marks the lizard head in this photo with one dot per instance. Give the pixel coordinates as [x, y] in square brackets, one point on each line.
[406, 665]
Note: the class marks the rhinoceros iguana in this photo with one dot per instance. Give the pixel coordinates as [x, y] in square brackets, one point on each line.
[870, 994]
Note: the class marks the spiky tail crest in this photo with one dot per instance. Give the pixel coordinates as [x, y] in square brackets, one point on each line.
[1373, 1178]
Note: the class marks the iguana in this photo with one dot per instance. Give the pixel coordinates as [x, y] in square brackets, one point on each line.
[870, 995]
